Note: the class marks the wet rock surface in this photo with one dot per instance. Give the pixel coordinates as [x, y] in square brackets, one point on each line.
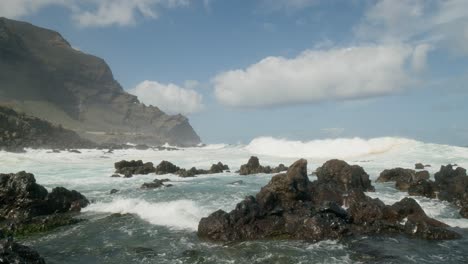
[12, 253]
[27, 207]
[292, 207]
[403, 178]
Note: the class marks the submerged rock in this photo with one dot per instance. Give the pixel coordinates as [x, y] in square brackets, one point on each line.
[128, 168]
[292, 207]
[155, 184]
[12, 252]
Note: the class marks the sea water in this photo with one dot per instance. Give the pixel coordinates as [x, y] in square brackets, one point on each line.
[159, 226]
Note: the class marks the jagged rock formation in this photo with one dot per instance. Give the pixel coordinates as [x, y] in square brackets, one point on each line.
[18, 131]
[42, 75]
[27, 207]
[450, 184]
[292, 207]
[253, 167]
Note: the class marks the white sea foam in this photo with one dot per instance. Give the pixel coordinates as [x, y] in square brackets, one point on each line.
[327, 148]
[179, 214]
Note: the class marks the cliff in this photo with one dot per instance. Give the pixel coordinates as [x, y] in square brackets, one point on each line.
[42, 75]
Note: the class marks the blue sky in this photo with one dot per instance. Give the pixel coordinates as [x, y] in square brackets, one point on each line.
[296, 69]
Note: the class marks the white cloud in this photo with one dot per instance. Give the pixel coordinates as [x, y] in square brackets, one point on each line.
[19, 8]
[94, 13]
[168, 97]
[123, 12]
[419, 60]
[316, 75]
[444, 24]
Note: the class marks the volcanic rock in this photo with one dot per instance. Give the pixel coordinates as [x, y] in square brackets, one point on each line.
[128, 168]
[253, 167]
[288, 207]
[12, 252]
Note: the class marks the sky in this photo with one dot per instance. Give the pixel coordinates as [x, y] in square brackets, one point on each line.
[293, 69]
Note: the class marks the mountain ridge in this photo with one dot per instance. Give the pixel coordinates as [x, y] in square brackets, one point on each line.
[42, 75]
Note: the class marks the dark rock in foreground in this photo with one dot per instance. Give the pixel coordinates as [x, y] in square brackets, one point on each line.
[129, 168]
[12, 253]
[27, 207]
[292, 207]
[253, 167]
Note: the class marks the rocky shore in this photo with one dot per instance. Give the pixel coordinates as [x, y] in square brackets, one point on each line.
[334, 207]
[450, 184]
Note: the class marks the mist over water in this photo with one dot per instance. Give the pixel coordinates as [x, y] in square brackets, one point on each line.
[159, 226]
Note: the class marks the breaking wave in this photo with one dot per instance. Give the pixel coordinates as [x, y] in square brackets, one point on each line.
[179, 214]
[326, 148]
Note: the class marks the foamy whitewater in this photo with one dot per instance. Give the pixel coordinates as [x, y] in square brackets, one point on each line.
[159, 226]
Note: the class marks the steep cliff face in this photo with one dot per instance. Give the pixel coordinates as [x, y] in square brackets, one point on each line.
[42, 75]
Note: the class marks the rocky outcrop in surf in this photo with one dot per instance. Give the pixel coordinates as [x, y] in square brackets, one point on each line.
[253, 167]
[27, 207]
[129, 168]
[449, 184]
[292, 207]
[403, 178]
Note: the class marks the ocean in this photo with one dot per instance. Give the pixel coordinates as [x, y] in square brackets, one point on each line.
[159, 226]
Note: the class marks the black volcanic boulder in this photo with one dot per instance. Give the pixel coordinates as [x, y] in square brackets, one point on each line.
[419, 166]
[344, 176]
[253, 167]
[452, 183]
[12, 253]
[166, 167]
[424, 188]
[61, 200]
[26, 207]
[218, 168]
[403, 178]
[21, 196]
[189, 173]
[288, 208]
[396, 174]
[131, 167]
